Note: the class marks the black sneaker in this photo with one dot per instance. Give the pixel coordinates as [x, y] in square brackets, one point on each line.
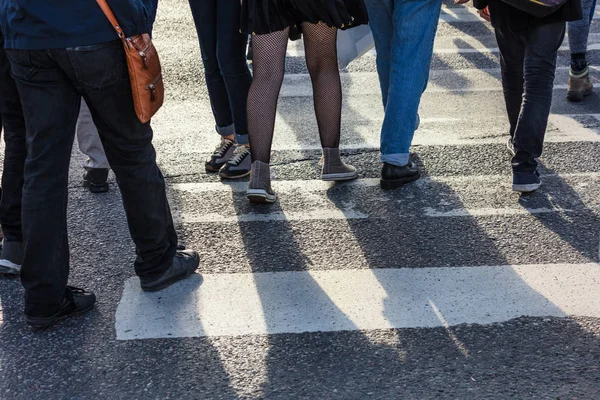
[220, 156]
[239, 165]
[510, 145]
[526, 182]
[11, 257]
[184, 264]
[96, 180]
[392, 176]
[76, 301]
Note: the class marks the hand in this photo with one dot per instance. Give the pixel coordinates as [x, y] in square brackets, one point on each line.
[485, 14]
[461, 1]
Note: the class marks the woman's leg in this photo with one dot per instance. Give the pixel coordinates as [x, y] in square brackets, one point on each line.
[269, 68]
[205, 19]
[320, 42]
[231, 55]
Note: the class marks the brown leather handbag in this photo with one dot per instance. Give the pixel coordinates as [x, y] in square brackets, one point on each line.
[144, 69]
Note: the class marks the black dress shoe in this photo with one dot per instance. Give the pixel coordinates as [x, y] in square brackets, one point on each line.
[392, 176]
[96, 180]
[76, 301]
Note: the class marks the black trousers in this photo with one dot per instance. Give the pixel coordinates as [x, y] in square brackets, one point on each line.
[13, 122]
[51, 84]
[528, 63]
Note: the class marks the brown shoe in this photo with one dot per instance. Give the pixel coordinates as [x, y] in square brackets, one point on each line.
[580, 85]
[334, 169]
[259, 190]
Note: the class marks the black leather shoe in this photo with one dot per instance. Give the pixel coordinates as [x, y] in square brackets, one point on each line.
[392, 176]
[95, 179]
[76, 301]
[184, 264]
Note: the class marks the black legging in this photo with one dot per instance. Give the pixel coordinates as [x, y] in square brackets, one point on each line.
[269, 69]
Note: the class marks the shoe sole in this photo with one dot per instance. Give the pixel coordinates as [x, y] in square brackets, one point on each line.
[231, 177]
[346, 176]
[578, 96]
[171, 281]
[396, 183]
[4, 270]
[209, 168]
[260, 196]
[9, 268]
[528, 188]
[39, 324]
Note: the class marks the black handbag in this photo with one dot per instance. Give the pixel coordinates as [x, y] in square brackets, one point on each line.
[537, 8]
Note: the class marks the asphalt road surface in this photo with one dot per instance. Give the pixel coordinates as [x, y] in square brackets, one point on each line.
[449, 288]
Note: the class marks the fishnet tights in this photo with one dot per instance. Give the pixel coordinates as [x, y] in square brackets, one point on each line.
[269, 68]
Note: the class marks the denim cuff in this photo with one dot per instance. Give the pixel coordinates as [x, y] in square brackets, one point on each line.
[225, 130]
[399, 160]
[242, 139]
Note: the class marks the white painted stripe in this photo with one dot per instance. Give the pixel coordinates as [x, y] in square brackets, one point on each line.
[441, 81]
[348, 300]
[488, 212]
[270, 216]
[456, 49]
[308, 186]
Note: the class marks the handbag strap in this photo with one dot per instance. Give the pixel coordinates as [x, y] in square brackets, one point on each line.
[111, 17]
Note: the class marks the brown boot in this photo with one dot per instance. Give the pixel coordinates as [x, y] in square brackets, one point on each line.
[259, 190]
[580, 85]
[334, 168]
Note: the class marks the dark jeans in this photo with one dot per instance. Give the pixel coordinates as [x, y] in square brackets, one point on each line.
[224, 56]
[51, 84]
[15, 152]
[528, 61]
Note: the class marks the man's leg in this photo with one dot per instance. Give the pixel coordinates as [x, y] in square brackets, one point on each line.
[415, 25]
[382, 26]
[512, 56]
[14, 164]
[50, 105]
[541, 52]
[101, 76]
[96, 165]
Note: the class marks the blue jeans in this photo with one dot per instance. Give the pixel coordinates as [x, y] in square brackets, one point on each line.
[404, 31]
[580, 30]
[226, 71]
[51, 84]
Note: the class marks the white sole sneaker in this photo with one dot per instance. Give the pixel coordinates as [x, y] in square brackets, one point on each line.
[260, 196]
[344, 176]
[528, 188]
[9, 268]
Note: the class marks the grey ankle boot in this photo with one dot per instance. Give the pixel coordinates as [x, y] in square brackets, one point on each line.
[334, 168]
[259, 190]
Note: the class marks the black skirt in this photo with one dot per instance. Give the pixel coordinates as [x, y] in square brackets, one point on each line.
[265, 16]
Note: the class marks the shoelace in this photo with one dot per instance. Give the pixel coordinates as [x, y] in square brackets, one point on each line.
[238, 155]
[222, 148]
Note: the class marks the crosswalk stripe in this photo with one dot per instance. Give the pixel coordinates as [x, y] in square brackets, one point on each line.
[452, 197]
[325, 301]
[441, 81]
[322, 186]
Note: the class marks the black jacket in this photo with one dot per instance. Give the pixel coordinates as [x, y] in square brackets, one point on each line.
[49, 24]
[506, 16]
